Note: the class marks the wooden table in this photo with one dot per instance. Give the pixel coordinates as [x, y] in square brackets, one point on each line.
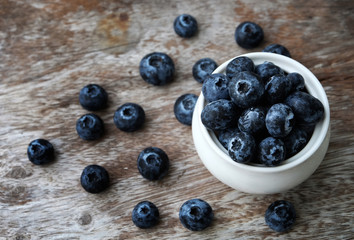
[50, 49]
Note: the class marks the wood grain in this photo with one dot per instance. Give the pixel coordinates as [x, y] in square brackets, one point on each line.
[50, 49]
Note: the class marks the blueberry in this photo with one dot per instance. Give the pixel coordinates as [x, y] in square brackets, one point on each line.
[297, 81]
[246, 89]
[40, 151]
[307, 108]
[202, 68]
[239, 64]
[224, 136]
[89, 127]
[215, 87]
[153, 163]
[93, 97]
[277, 48]
[295, 141]
[196, 214]
[277, 88]
[241, 147]
[129, 117]
[145, 215]
[271, 151]
[249, 35]
[252, 120]
[94, 179]
[220, 114]
[157, 68]
[268, 69]
[185, 26]
[279, 120]
[280, 215]
[184, 107]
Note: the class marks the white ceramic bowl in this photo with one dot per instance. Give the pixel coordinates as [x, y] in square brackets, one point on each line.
[258, 179]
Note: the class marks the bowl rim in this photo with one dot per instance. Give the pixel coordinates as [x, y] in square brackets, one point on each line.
[321, 128]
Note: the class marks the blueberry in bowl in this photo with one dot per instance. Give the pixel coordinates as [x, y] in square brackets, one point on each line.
[290, 144]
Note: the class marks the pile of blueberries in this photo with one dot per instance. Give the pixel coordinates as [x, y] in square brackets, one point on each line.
[235, 95]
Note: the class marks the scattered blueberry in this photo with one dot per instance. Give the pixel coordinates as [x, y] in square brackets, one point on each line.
[196, 214]
[239, 64]
[202, 68]
[271, 151]
[252, 120]
[40, 151]
[153, 163]
[145, 215]
[249, 35]
[157, 68]
[280, 215]
[94, 179]
[220, 114]
[184, 107]
[268, 69]
[215, 87]
[225, 135]
[185, 26]
[295, 141]
[129, 117]
[277, 88]
[93, 97]
[297, 81]
[277, 48]
[246, 89]
[279, 120]
[90, 127]
[241, 147]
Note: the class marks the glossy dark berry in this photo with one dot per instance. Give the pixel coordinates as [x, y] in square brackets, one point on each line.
[185, 26]
[268, 69]
[94, 179]
[224, 136]
[203, 68]
[280, 215]
[307, 108]
[246, 89]
[242, 147]
[145, 215]
[280, 120]
[239, 64]
[40, 151]
[153, 163]
[215, 87]
[93, 97]
[271, 151]
[219, 115]
[252, 120]
[90, 127]
[157, 68]
[295, 141]
[129, 117]
[249, 35]
[277, 48]
[297, 81]
[277, 89]
[196, 214]
[184, 107]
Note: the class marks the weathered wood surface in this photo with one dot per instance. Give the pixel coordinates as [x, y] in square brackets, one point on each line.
[50, 49]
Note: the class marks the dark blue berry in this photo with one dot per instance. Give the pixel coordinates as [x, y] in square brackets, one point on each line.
[280, 215]
[297, 81]
[252, 120]
[239, 64]
[280, 120]
[40, 151]
[184, 107]
[153, 163]
[90, 127]
[241, 147]
[295, 141]
[157, 68]
[246, 89]
[196, 214]
[271, 151]
[185, 26]
[249, 35]
[94, 179]
[277, 88]
[277, 48]
[145, 215]
[215, 87]
[220, 114]
[203, 68]
[224, 136]
[268, 69]
[307, 108]
[93, 97]
[129, 117]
